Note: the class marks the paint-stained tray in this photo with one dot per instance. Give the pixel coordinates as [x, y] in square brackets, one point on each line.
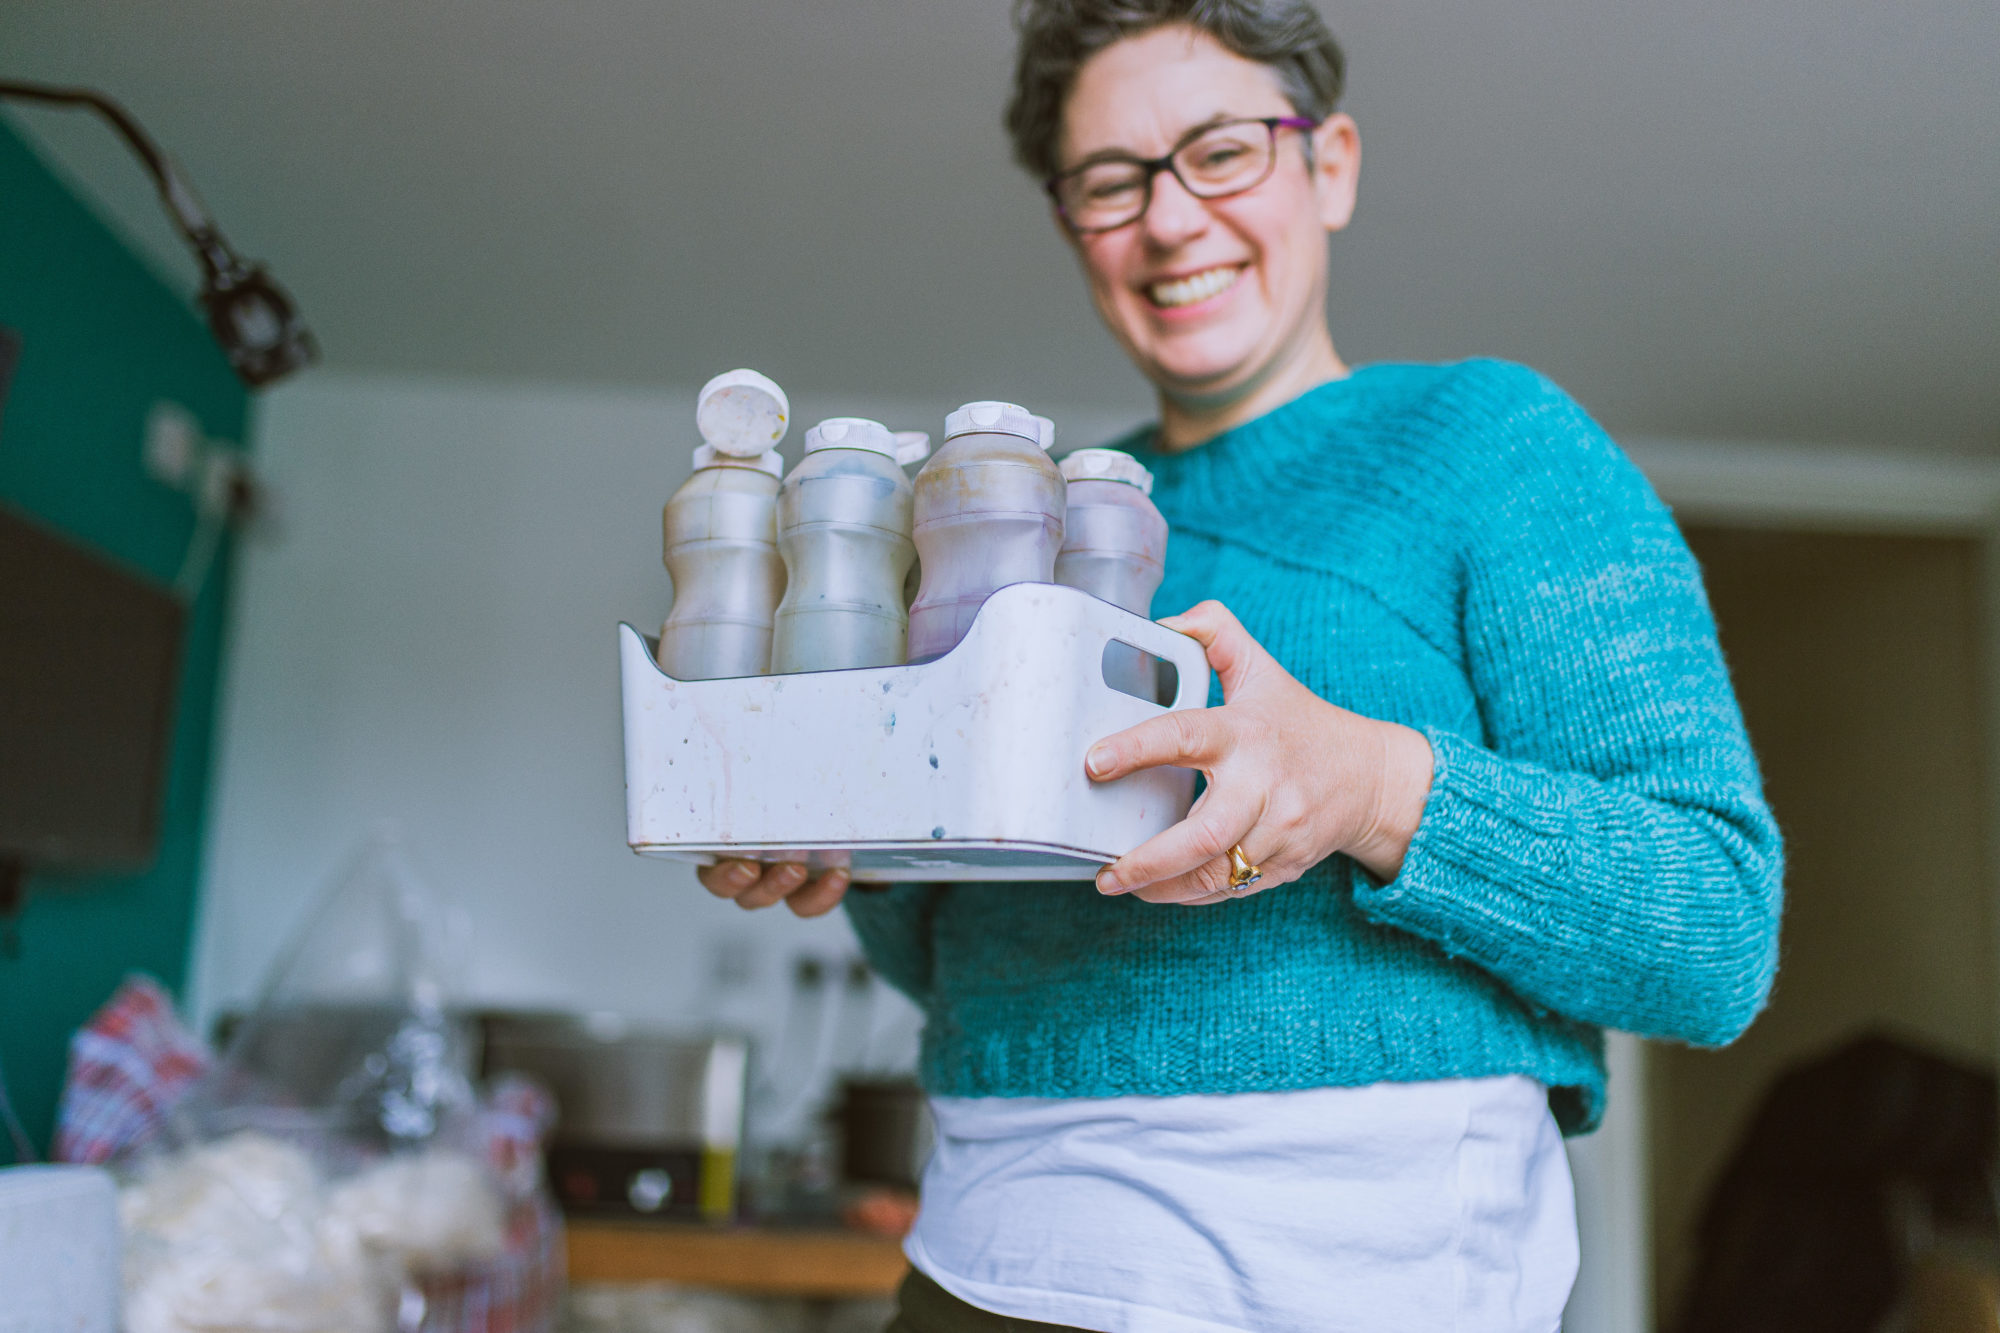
[969, 767]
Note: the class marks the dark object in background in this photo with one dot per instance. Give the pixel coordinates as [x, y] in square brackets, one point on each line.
[648, 1123]
[885, 1133]
[248, 312]
[89, 664]
[1805, 1227]
[664, 1184]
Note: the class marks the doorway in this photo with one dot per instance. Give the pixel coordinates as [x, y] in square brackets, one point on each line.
[1858, 662]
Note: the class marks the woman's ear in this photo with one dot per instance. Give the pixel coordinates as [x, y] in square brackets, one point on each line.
[1336, 164]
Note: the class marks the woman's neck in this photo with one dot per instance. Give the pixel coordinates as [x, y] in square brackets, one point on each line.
[1188, 420]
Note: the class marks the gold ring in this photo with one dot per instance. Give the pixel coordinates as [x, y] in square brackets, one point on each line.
[1241, 873]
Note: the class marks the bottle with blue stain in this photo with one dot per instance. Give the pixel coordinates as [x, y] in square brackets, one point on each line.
[844, 533]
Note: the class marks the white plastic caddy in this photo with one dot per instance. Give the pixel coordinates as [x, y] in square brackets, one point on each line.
[969, 767]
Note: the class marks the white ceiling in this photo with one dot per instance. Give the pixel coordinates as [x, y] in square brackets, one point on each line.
[1706, 218]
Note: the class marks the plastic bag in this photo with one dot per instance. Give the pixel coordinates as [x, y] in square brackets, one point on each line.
[332, 1157]
[350, 1044]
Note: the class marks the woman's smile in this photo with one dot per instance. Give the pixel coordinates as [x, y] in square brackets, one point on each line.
[1192, 292]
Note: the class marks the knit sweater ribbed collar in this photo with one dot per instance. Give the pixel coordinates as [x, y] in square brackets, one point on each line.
[1226, 482]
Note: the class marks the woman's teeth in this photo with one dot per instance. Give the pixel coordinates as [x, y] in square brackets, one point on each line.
[1195, 287]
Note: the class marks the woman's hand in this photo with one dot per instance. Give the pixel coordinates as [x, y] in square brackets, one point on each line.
[752, 884]
[1291, 778]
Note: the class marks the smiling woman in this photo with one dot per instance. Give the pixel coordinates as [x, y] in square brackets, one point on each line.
[1216, 288]
[1477, 785]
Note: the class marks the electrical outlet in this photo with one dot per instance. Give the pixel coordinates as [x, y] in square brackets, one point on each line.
[174, 446]
[214, 473]
[217, 483]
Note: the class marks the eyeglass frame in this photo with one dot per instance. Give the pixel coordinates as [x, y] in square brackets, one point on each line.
[1153, 166]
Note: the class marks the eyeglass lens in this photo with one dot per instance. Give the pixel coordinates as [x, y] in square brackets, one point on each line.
[1226, 160]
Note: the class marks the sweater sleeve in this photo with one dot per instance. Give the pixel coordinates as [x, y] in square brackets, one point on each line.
[894, 926]
[1605, 848]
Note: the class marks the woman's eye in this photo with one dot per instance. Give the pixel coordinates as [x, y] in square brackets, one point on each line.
[1217, 157]
[1110, 189]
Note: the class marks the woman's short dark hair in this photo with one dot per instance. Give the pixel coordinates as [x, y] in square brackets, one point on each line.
[1058, 36]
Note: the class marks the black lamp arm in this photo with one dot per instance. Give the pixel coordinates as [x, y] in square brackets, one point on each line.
[182, 205]
[251, 315]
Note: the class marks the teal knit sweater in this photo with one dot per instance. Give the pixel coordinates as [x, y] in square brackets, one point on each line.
[1463, 550]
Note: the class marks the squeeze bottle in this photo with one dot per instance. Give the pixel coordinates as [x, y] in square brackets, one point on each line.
[989, 512]
[1114, 547]
[721, 534]
[844, 533]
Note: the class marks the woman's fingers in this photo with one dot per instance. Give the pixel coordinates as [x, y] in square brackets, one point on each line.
[1233, 654]
[778, 883]
[751, 885]
[1214, 826]
[1190, 738]
[1190, 886]
[821, 896]
[1203, 885]
[727, 879]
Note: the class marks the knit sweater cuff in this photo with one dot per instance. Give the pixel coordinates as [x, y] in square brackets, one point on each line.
[1470, 882]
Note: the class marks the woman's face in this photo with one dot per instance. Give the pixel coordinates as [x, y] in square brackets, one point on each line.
[1208, 296]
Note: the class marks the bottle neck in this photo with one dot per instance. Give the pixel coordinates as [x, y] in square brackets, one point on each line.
[708, 456]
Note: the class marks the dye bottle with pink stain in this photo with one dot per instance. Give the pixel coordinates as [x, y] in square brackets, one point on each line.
[989, 512]
[720, 534]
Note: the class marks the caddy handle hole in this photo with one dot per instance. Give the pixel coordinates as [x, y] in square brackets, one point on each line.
[1134, 671]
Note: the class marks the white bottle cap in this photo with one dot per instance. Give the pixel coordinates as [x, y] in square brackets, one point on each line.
[991, 418]
[851, 433]
[741, 413]
[1106, 465]
[912, 446]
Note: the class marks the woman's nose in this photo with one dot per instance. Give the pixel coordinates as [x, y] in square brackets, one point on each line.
[1174, 217]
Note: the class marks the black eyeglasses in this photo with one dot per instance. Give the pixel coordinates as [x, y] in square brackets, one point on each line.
[1211, 162]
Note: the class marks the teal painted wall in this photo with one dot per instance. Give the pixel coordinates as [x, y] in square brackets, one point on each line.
[103, 340]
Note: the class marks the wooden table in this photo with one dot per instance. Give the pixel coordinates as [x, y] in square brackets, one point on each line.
[824, 1264]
